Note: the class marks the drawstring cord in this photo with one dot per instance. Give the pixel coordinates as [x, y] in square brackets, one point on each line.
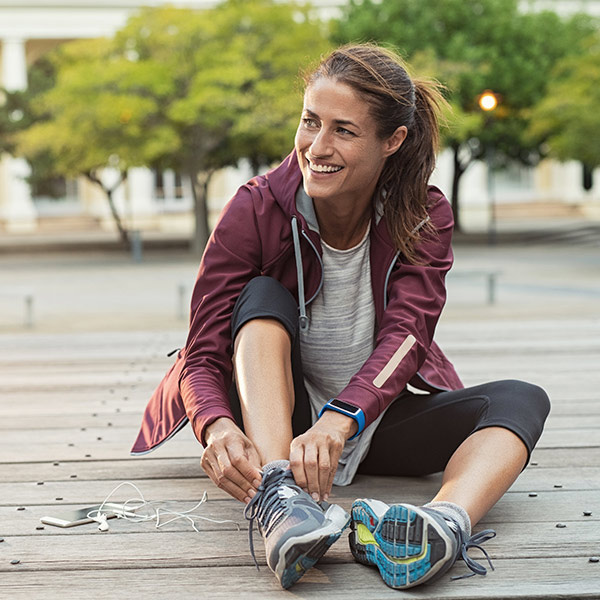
[303, 320]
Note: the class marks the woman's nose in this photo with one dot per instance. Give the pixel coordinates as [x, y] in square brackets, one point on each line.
[321, 144]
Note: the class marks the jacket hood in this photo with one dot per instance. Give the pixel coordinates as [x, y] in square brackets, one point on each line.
[283, 182]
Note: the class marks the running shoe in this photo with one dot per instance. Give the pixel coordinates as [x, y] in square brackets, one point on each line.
[297, 530]
[411, 545]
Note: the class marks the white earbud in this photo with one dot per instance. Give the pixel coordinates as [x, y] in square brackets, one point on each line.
[103, 524]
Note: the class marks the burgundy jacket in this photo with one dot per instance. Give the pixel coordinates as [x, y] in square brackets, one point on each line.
[262, 232]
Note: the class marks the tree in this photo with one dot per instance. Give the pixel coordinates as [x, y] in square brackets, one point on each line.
[194, 91]
[471, 46]
[16, 115]
[234, 72]
[568, 117]
[95, 117]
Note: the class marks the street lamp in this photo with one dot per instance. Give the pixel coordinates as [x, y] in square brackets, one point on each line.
[488, 102]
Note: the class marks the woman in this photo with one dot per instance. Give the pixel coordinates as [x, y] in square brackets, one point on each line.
[318, 295]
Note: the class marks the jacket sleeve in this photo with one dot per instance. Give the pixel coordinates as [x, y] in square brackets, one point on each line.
[231, 259]
[416, 296]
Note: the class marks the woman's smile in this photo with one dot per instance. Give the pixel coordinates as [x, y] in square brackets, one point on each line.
[337, 146]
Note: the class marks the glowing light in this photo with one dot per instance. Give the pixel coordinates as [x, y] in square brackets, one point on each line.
[488, 101]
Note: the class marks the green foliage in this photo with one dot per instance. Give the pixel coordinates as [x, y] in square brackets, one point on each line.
[194, 91]
[568, 117]
[98, 112]
[472, 46]
[234, 72]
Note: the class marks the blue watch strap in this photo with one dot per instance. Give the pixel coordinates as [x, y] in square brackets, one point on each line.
[354, 412]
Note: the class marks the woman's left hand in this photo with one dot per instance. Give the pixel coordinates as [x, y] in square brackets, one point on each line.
[314, 455]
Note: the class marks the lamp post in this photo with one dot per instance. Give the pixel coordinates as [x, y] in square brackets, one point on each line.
[488, 102]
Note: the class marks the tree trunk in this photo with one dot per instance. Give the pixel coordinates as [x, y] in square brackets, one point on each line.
[123, 233]
[457, 173]
[200, 181]
[113, 209]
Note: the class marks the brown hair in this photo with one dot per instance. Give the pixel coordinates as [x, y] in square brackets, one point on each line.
[380, 77]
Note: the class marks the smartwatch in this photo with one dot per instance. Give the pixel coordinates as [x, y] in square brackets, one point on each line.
[354, 412]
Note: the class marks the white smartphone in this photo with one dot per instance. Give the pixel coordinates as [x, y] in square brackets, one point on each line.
[79, 516]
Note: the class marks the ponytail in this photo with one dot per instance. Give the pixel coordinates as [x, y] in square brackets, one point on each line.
[403, 183]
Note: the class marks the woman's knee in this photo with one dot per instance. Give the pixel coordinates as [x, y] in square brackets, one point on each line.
[522, 401]
[265, 298]
[534, 396]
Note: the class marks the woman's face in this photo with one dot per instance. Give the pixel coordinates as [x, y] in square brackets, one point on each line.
[339, 152]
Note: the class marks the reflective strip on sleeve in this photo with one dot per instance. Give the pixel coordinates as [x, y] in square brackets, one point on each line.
[396, 359]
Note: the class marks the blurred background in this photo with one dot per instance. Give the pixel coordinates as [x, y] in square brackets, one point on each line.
[126, 125]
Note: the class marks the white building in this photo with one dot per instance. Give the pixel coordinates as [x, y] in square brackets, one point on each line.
[29, 28]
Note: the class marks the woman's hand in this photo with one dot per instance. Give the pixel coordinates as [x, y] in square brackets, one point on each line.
[231, 460]
[314, 455]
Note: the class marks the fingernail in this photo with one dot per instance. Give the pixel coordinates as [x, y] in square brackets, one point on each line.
[256, 483]
[251, 493]
[246, 500]
[326, 497]
[315, 496]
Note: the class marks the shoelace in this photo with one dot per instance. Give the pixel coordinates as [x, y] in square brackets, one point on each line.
[474, 541]
[266, 506]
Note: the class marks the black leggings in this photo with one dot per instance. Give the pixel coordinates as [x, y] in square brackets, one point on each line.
[419, 432]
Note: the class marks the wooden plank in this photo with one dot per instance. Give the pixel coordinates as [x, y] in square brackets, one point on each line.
[570, 458]
[185, 445]
[180, 446]
[541, 579]
[583, 434]
[153, 467]
[516, 507]
[123, 419]
[124, 469]
[563, 417]
[78, 491]
[115, 549]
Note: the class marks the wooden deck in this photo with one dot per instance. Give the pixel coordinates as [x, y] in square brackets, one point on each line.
[69, 409]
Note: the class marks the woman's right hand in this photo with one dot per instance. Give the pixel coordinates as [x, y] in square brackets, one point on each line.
[231, 460]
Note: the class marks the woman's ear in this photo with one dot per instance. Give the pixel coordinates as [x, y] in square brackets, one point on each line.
[395, 140]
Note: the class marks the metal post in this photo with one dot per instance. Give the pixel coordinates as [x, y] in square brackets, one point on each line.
[491, 288]
[29, 311]
[492, 225]
[135, 238]
[181, 311]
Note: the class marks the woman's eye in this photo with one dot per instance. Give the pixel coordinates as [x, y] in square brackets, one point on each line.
[344, 131]
[308, 122]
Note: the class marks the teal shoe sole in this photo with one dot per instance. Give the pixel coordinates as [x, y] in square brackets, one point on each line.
[405, 544]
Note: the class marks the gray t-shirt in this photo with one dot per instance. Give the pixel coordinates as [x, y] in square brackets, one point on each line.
[340, 338]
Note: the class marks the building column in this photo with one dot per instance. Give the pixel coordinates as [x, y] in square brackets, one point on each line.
[140, 205]
[17, 211]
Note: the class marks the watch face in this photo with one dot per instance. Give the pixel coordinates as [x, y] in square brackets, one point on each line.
[353, 410]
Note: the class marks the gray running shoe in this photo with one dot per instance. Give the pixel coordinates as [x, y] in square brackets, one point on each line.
[411, 545]
[296, 529]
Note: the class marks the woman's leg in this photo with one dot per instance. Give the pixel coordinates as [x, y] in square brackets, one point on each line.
[480, 437]
[268, 398]
[263, 374]
[481, 470]
[271, 405]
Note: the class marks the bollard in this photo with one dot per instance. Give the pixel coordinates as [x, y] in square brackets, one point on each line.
[181, 304]
[29, 311]
[135, 238]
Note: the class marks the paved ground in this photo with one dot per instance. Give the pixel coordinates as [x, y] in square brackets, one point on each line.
[89, 287]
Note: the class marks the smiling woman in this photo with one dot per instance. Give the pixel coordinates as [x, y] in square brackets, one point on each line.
[314, 311]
